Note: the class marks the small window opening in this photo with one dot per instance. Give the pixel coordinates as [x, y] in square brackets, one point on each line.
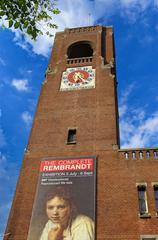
[71, 139]
[155, 154]
[134, 155]
[156, 197]
[141, 154]
[142, 198]
[148, 154]
[126, 155]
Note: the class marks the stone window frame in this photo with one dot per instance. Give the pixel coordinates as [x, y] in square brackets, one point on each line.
[146, 214]
[155, 199]
[149, 237]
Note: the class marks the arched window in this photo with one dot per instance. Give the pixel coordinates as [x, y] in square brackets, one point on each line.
[79, 50]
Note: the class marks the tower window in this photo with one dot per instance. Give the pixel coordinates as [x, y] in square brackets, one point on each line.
[71, 139]
[142, 198]
[156, 197]
[79, 50]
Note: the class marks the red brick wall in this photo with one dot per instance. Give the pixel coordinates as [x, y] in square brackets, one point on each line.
[94, 113]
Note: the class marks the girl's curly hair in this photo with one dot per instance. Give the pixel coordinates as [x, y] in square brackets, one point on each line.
[65, 194]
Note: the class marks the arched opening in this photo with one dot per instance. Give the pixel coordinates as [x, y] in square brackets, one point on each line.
[80, 50]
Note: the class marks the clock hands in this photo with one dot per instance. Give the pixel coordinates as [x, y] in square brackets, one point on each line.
[77, 77]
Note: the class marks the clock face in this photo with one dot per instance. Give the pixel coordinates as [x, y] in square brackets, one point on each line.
[78, 78]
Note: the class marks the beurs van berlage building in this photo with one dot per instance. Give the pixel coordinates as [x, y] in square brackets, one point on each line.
[73, 153]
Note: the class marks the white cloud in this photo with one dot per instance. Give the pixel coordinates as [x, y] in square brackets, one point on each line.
[72, 15]
[76, 14]
[41, 46]
[20, 84]
[124, 98]
[136, 128]
[27, 118]
[21, 43]
[129, 9]
[132, 10]
[143, 134]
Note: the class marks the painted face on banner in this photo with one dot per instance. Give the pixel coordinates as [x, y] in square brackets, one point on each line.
[58, 210]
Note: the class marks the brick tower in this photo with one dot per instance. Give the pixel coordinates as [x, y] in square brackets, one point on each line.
[76, 125]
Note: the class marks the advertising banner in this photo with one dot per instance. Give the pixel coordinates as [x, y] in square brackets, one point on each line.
[64, 205]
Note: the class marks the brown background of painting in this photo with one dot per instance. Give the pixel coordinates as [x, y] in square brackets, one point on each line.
[82, 191]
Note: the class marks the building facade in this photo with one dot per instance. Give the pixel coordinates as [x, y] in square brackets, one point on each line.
[76, 119]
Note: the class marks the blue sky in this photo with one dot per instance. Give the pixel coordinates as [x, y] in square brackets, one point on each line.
[23, 64]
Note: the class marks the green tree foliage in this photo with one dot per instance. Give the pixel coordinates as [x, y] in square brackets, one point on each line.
[30, 16]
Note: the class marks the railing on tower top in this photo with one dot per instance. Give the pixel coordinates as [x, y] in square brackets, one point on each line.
[139, 153]
[79, 60]
[82, 29]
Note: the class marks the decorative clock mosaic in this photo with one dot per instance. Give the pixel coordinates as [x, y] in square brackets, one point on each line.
[78, 78]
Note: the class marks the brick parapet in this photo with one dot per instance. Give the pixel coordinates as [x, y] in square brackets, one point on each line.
[139, 153]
